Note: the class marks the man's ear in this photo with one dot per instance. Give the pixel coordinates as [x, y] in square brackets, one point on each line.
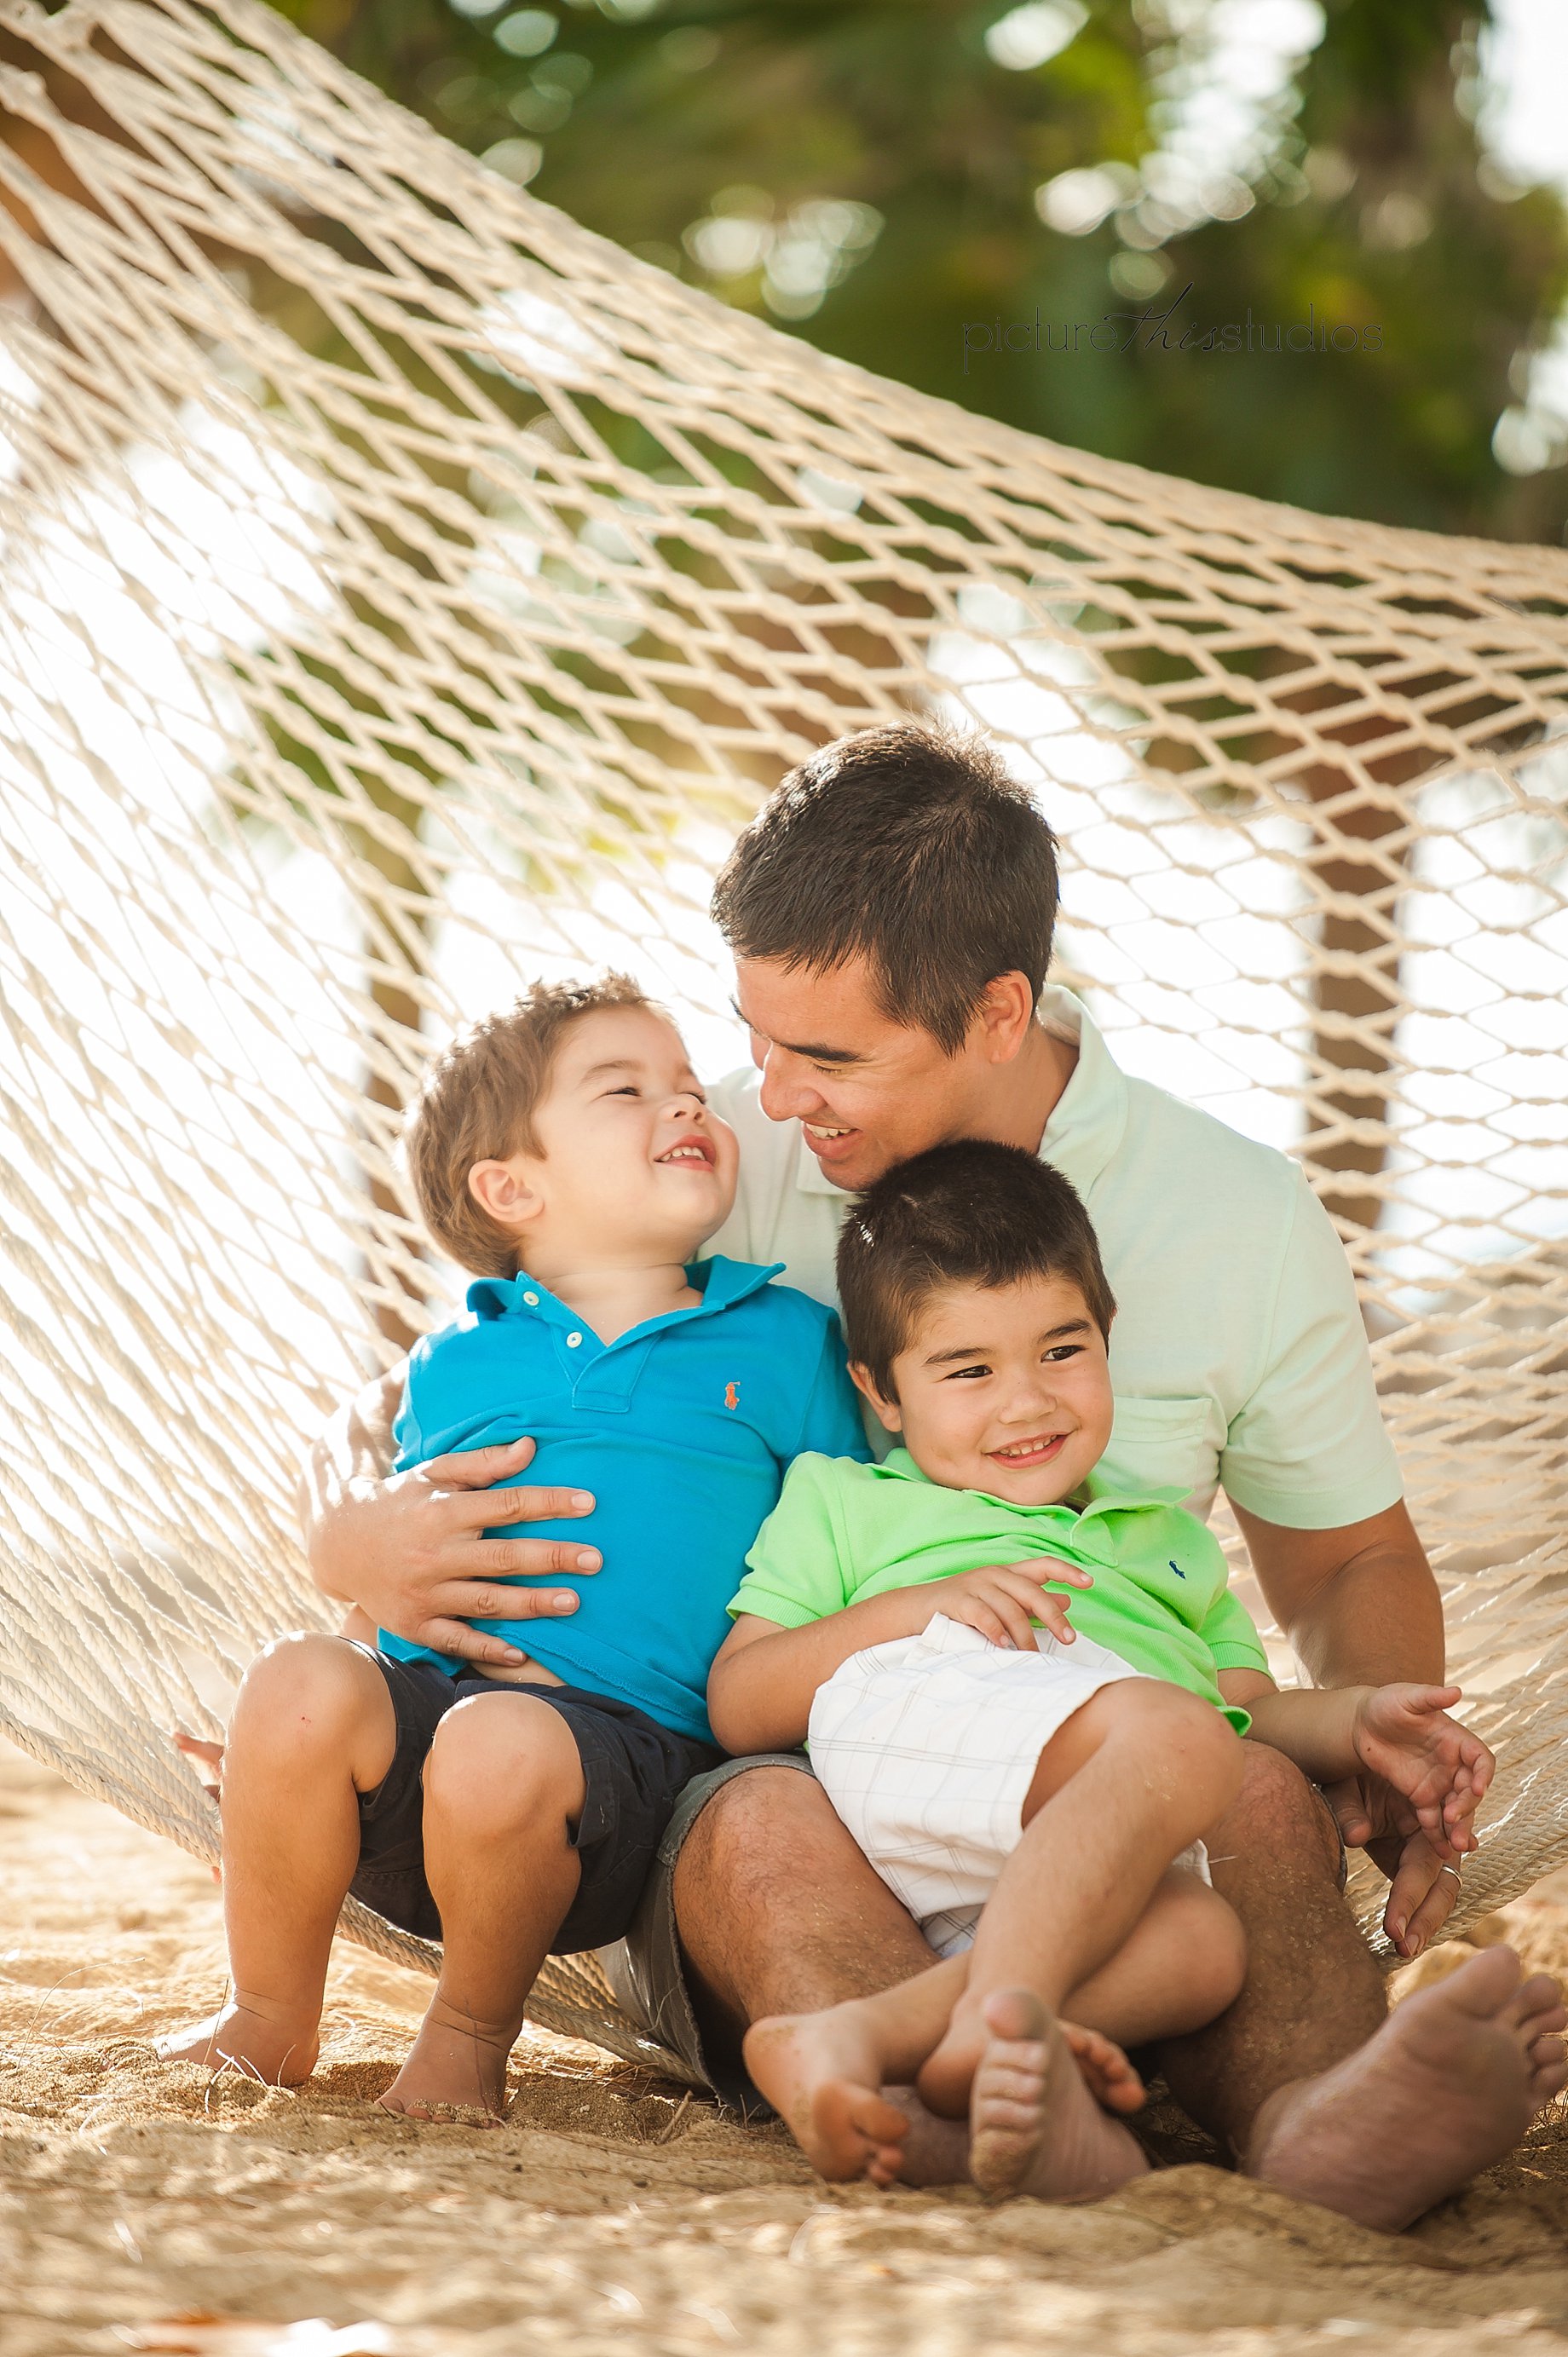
[502, 1188]
[1002, 1018]
[884, 1410]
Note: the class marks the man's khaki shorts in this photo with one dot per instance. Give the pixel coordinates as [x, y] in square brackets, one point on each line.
[647, 1971]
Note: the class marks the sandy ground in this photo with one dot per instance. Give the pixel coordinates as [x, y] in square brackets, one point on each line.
[607, 2214]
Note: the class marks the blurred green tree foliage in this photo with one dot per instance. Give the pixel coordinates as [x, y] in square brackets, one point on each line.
[900, 181]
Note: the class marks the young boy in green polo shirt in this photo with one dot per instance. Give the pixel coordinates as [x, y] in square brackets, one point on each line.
[1034, 1790]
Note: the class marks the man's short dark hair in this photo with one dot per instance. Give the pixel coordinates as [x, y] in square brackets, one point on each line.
[968, 1213]
[911, 846]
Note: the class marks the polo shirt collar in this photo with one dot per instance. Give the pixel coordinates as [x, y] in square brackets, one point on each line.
[1090, 1118]
[720, 1281]
[1091, 1115]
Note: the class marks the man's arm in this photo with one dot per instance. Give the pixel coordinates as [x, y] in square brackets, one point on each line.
[1359, 1604]
[356, 1446]
[1360, 1607]
[406, 1547]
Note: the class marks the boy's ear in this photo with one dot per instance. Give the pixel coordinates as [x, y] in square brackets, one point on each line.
[502, 1189]
[884, 1410]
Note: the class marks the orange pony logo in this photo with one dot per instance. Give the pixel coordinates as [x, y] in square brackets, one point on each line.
[731, 1395]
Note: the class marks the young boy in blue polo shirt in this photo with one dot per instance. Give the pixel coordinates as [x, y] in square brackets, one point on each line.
[566, 1154]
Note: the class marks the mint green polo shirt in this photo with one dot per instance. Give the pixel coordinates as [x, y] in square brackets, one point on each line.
[843, 1531]
[1238, 1355]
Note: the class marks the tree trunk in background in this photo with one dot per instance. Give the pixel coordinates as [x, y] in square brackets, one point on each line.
[403, 930]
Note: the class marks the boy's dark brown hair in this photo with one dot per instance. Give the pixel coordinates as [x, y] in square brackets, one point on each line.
[477, 1104]
[968, 1213]
[911, 846]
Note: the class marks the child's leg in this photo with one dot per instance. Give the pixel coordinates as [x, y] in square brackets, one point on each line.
[824, 2072]
[1182, 1964]
[1134, 1776]
[312, 1728]
[503, 1787]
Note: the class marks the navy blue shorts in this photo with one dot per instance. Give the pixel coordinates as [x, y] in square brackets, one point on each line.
[633, 1769]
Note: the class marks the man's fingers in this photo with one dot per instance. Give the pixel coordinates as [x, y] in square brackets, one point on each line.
[1429, 1915]
[477, 1600]
[468, 1644]
[525, 1558]
[476, 1468]
[1420, 1896]
[472, 1509]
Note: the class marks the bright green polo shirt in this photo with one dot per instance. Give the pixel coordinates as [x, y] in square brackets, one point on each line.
[841, 1532]
[1238, 1355]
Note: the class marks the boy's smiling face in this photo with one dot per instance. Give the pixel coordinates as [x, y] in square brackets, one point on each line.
[635, 1169]
[1005, 1390]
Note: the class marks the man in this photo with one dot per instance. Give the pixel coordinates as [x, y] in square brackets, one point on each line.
[891, 913]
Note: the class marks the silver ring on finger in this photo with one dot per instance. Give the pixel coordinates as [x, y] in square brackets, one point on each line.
[1450, 1869]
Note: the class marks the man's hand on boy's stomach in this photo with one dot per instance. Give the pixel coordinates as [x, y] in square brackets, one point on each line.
[414, 1560]
[1003, 1601]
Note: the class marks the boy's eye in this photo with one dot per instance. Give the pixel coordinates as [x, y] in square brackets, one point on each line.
[627, 1089]
[1063, 1350]
[962, 1374]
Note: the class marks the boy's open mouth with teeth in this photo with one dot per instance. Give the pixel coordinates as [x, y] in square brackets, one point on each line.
[691, 1150]
[1037, 1451]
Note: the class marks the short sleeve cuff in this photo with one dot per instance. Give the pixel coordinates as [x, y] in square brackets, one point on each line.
[1235, 1653]
[1317, 1509]
[786, 1611]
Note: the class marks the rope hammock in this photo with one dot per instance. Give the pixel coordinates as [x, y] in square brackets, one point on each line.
[407, 593]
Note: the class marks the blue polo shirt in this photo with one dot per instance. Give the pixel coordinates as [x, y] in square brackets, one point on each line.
[682, 1428]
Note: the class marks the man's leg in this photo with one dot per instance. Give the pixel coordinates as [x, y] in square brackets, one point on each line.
[778, 1913]
[770, 1848]
[1314, 1991]
[1307, 2080]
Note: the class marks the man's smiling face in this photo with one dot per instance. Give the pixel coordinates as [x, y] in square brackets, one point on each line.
[866, 1091]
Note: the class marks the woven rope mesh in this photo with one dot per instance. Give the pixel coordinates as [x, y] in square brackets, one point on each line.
[407, 593]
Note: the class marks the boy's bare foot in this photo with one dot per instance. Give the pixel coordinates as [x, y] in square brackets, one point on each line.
[456, 2064]
[1105, 2070]
[1035, 2126]
[946, 2077]
[1447, 2086]
[822, 2072]
[251, 2036]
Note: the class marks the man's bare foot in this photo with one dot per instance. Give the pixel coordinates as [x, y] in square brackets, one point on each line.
[456, 2064]
[1035, 2126]
[822, 2072]
[250, 2036]
[1447, 2086]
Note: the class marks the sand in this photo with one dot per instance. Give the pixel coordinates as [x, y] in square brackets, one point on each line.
[610, 2216]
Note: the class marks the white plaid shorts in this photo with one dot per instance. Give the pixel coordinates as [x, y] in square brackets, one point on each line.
[927, 1747]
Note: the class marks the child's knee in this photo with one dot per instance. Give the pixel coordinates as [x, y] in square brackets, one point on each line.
[307, 1691]
[1198, 1743]
[498, 1762]
[1212, 1943]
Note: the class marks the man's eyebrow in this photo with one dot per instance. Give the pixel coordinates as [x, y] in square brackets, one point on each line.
[812, 1048]
[1056, 1334]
